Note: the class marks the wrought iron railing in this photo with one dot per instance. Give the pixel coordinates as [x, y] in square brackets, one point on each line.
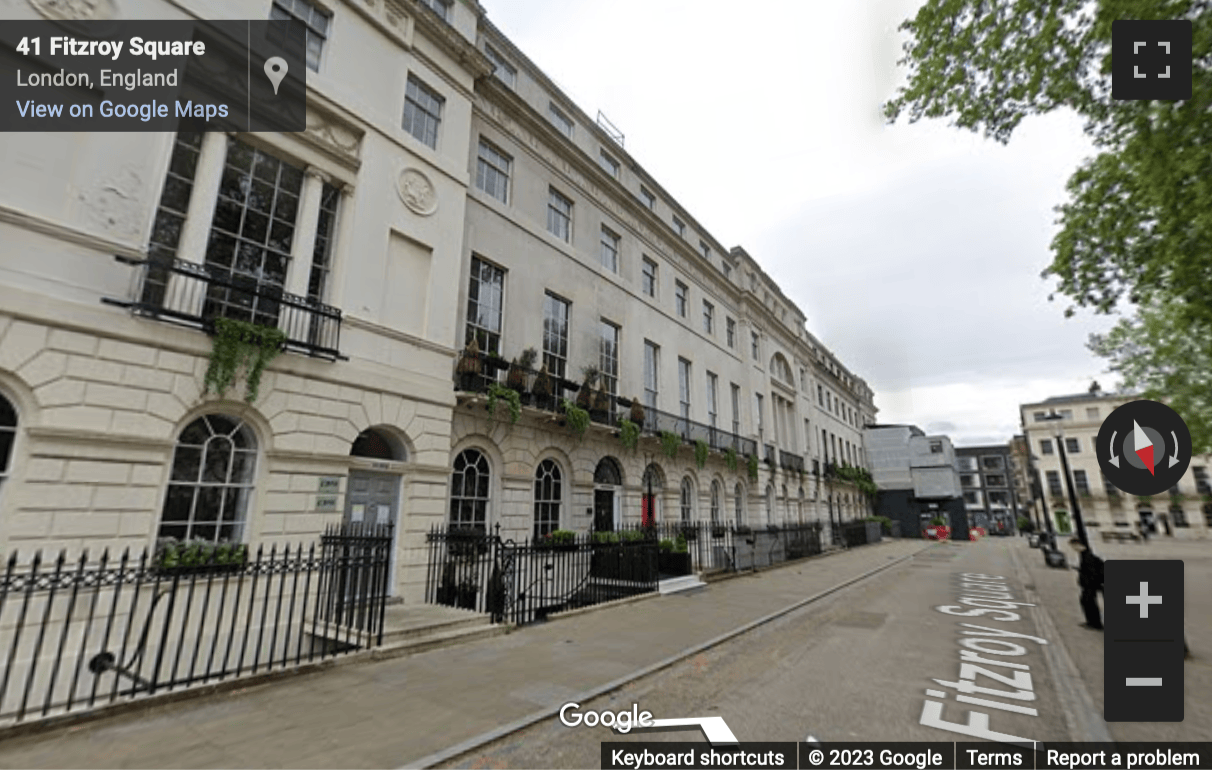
[485, 369]
[790, 461]
[79, 634]
[195, 295]
[523, 581]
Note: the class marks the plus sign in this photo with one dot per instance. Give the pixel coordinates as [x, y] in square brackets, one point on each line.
[1144, 600]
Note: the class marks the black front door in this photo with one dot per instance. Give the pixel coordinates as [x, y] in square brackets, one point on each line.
[603, 510]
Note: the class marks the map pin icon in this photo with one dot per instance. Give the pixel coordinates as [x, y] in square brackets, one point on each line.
[275, 70]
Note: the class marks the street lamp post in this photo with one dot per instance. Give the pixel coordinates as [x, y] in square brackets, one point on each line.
[1059, 433]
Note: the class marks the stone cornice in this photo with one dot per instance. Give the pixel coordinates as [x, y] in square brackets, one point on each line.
[395, 334]
[71, 435]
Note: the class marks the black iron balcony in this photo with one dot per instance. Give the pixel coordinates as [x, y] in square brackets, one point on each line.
[194, 295]
[477, 373]
[791, 462]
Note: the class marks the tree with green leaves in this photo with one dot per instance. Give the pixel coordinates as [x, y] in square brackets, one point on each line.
[1136, 231]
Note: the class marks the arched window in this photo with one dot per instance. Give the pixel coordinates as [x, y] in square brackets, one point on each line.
[548, 494]
[212, 481]
[8, 437]
[608, 472]
[715, 502]
[740, 504]
[469, 495]
[687, 499]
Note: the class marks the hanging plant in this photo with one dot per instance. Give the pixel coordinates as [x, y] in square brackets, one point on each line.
[578, 418]
[730, 459]
[670, 442]
[637, 411]
[629, 434]
[753, 468]
[700, 453]
[241, 345]
[497, 392]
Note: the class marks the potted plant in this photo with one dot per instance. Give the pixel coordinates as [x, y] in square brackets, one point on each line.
[543, 390]
[585, 394]
[526, 363]
[470, 379]
[637, 412]
[515, 380]
[600, 404]
[190, 557]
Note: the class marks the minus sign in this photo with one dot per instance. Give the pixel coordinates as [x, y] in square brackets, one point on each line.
[1142, 640]
[1144, 681]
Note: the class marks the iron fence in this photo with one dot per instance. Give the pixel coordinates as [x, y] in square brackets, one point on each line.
[77, 634]
[521, 582]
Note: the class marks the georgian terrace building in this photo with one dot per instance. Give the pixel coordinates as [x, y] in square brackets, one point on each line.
[573, 250]
[427, 203]
[1184, 511]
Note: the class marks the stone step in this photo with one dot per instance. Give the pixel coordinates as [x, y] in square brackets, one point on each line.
[394, 633]
[679, 584]
[440, 639]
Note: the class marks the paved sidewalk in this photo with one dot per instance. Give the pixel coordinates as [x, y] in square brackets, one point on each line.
[389, 713]
[1058, 589]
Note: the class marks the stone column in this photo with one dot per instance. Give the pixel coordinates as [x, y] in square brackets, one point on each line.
[185, 293]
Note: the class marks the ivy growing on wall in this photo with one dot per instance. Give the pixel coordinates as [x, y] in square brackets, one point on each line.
[239, 345]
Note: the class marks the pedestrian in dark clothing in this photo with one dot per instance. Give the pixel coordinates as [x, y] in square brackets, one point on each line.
[1090, 579]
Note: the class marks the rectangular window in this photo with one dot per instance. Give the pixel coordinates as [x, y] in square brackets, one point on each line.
[736, 409]
[970, 498]
[648, 277]
[648, 198]
[1109, 488]
[1045, 446]
[965, 463]
[999, 498]
[502, 70]
[1202, 486]
[681, 294]
[608, 356]
[679, 226]
[1081, 482]
[727, 268]
[606, 161]
[560, 120]
[174, 201]
[1039, 416]
[705, 250]
[730, 332]
[1092, 413]
[936, 447]
[1066, 414]
[684, 387]
[485, 300]
[992, 463]
[555, 334]
[756, 346]
[610, 250]
[249, 248]
[820, 395]
[422, 112]
[712, 393]
[559, 216]
[758, 415]
[326, 232]
[1071, 446]
[651, 382]
[708, 317]
[969, 480]
[807, 437]
[1054, 484]
[492, 171]
[440, 7]
[825, 443]
[314, 20]
[995, 480]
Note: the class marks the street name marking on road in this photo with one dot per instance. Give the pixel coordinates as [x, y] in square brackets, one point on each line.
[986, 595]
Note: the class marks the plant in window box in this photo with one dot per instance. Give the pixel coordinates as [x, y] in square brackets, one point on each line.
[239, 345]
[176, 557]
[469, 369]
[498, 393]
[600, 411]
[730, 459]
[700, 453]
[515, 379]
[670, 443]
[576, 418]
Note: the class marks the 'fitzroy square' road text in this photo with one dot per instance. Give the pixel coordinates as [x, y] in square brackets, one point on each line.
[985, 654]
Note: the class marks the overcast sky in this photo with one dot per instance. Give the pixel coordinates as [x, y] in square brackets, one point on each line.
[914, 251]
